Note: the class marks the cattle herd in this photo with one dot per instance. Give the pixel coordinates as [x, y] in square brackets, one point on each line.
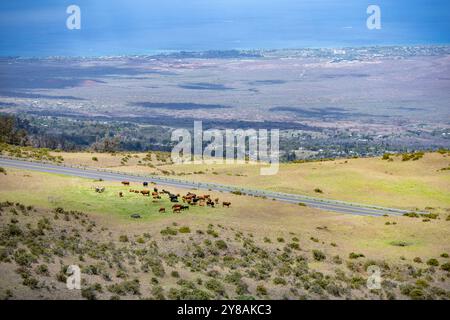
[187, 200]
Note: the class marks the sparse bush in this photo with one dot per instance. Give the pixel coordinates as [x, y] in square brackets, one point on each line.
[169, 232]
[23, 258]
[446, 266]
[184, 230]
[94, 159]
[337, 260]
[433, 262]
[125, 287]
[123, 238]
[215, 286]
[88, 293]
[175, 274]
[318, 255]
[42, 269]
[444, 255]
[261, 290]
[318, 190]
[3, 170]
[279, 281]
[417, 260]
[221, 245]
[353, 255]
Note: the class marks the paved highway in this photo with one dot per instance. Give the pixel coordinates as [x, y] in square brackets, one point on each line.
[91, 173]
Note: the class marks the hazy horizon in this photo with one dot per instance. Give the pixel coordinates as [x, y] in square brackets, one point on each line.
[139, 27]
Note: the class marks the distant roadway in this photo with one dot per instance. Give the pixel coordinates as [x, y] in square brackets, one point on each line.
[91, 173]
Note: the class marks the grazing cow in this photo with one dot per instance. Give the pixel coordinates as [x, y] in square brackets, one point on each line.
[155, 189]
[126, 183]
[121, 194]
[154, 194]
[177, 210]
[176, 206]
[145, 193]
[136, 191]
[201, 203]
[131, 190]
[216, 200]
[226, 204]
[184, 208]
[136, 216]
[145, 184]
[210, 203]
[162, 210]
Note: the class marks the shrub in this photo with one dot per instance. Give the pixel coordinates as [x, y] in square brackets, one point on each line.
[175, 274]
[94, 159]
[317, 190]
[261, 290]
[123, 238]
[280, 239]
[301, 204]
[158, 293]
[23, 258]
[353, 255]
[411, 215]
[42, 270]
[417, 294]
[318, 255]
[184, 230]
[169, 232]
[417, 260]
[3, 170]
[215, 286]
[213, 233]
[433, 262]
[337, 260]
[446, 267]
[279, 281]
[444, 255]
[125, 287]
[88, 293]
[221, 245]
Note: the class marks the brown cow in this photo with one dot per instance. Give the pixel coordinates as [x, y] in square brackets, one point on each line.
[162, 209]
[226, 204]
[176, 206]
[216, 200]
[145, 193]
[136, 191]
[177, 210]
[126, 183]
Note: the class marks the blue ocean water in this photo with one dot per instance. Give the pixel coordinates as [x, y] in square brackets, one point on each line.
[119, 27]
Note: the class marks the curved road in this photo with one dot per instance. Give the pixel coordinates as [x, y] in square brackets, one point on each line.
[327, 205]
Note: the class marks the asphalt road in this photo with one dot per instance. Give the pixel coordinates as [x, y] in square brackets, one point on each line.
[90, 173]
